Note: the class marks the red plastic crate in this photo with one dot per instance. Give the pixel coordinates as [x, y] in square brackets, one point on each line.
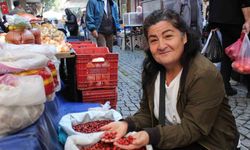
[101, 96]
[96, 68]
[80, 42]
[79, 46]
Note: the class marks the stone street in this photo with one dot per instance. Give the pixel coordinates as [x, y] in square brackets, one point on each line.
[129, 93]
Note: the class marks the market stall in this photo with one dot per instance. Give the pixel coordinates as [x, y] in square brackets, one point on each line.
[34, 108]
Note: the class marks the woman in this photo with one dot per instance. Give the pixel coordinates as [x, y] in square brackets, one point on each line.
[71, 22]
[197, 114]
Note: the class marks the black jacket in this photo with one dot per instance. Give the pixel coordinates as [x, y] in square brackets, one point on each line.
[227, 11]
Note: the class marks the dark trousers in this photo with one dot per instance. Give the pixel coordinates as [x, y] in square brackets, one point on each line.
[74, 32]
[230, 34]
[105, 40]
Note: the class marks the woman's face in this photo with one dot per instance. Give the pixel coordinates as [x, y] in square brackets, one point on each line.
[166, 43]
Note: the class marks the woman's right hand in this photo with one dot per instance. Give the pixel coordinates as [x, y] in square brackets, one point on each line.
[118, 128]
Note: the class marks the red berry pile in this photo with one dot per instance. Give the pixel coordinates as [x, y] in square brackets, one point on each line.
[109, 135]
[125, 140]
[109, 146]
[105, 146]
[91, 127]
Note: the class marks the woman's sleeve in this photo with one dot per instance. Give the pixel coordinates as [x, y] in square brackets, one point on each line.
[141, 119]
[204, 96]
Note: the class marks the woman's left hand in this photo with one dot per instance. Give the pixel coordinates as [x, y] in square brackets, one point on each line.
[140, 139]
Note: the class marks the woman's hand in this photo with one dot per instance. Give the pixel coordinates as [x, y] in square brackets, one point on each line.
[140, 139]
[119, 129]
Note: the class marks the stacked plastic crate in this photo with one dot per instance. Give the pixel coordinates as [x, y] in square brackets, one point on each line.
[96, 73]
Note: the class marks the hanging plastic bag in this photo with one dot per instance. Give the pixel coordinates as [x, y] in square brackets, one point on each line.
[242, 61]
[233, 50]
[213, 49]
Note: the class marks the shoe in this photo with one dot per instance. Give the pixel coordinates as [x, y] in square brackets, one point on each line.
[248, 95]
[231, 91]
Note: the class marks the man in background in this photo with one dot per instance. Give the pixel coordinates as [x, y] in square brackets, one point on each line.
[18, 8]
[231, 18]
[102, 21]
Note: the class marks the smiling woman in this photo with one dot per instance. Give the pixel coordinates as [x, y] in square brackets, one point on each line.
[183, 105]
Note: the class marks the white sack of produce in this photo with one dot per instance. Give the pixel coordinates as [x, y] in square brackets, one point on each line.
[76, 118]
[75, 142]
[21, 90]
[15, 118]
[47, 50]
[17, 62]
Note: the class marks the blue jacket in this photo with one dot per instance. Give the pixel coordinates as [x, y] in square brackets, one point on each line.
[95, 12]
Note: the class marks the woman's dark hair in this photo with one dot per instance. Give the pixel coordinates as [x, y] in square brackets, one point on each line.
[191, 48]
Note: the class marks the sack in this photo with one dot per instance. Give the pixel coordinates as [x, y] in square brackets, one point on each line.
[233, 50]
[189, 10]
[21, 91]
[11, 62]
[213, 49]
[67, 121]
[242, 61]
[15, 118]
[75, 142]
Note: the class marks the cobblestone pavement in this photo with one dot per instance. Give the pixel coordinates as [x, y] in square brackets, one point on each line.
[129, 93]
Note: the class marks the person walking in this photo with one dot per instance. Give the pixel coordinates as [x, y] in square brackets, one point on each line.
[102, 21]
[71, 22]
[184, 105]
[18, 8]
[231, 18]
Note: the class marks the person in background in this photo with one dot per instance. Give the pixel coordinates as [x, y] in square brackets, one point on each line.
[184, 106]
[17, 8]
[83, 26]
[71, 22]
[231, 19]
[4, 24]
[102, 21]
[60, 26]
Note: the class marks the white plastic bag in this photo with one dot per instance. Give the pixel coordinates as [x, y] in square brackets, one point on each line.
[15, 118]
[44, 49]
[21, 90]
[17, 62]
[67, 121]
[241, 63]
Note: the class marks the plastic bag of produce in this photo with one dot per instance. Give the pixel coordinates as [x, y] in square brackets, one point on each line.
[233, 50]
[21, 90]
[47, 77]
[242, 61]
[15, 118]
[11, 62]
[18, 21]
[47, 50]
